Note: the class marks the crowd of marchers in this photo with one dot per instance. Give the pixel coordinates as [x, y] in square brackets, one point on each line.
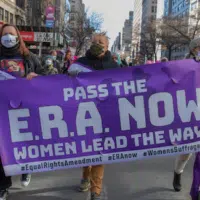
[18, 61]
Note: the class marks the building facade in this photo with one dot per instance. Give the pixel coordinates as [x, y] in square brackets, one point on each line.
[77, 11]
[127, 36]
[137, 9]
[117, 45]
[159, 16]
[45, 25]
[149, 13]
[76, 19]
[36, 12]
[13, 12]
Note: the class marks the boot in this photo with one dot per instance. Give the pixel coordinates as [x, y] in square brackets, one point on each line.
[95, 196]
[177, 182]
[4, 194]
[85, 185]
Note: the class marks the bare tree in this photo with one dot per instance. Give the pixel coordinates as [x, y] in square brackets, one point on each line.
[169, 38]
[83, 28]
[179, 31]
[149, 40]
[186, 27]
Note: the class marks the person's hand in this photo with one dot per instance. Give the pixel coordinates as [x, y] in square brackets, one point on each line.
[31, 75]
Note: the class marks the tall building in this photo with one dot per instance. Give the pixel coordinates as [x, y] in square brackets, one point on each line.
[13, 12]
[127, 36]
[167, 7]
[159, 16]
[76, 19]
[77, 12]
[180, 9]
[116, 48]
[149, 13]
[160, 9]
[137, 10]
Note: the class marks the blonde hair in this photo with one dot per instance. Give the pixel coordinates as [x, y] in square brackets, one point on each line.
[102, 34]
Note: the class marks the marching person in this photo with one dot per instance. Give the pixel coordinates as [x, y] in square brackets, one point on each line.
[164, 59]
[97, 58]
[123, 62]
[67, 61]
[195, 189]
[48, 66]
[116, 58]
[182, 160]
[15, 61]
[56, 63]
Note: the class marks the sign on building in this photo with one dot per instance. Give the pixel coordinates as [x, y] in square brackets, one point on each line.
[43, 37]
[50, 16]
[27, 36]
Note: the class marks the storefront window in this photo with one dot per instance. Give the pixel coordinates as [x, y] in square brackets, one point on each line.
[1, 14]
[6, 16]
[11, 19]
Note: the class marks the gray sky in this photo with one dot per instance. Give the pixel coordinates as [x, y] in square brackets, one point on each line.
[114, 12]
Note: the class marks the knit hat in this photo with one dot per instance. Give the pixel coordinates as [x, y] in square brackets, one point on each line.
[194, 44]
[48, 57]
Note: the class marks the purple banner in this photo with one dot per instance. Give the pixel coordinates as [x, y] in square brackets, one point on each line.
[103, 117]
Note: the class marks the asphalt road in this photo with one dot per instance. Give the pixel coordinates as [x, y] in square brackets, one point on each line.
[140, 180]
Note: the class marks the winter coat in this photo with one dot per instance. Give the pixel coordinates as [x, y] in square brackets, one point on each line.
[196, 178]
[90, 63]
[31, 63]
[57, 65]
[124, 63]
[66, 66]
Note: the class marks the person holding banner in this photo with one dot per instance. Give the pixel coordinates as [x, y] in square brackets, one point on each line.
[67, 62]
[182, 160]
[97, 58]
[15, 62]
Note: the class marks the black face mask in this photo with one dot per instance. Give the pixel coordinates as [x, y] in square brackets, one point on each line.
[96, 50]
[10, 51]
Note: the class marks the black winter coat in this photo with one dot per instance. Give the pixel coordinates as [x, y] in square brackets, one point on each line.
[95, 63]
[32, 64]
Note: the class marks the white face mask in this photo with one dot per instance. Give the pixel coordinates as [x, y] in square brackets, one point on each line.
[48, 62]
[9, 40]
[54, 57]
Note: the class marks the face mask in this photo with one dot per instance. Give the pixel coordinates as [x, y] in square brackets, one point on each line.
[9, 40]
[48, 62]
[96, 50]
[54, 57]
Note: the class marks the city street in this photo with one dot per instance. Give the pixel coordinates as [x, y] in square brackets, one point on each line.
[141, 180]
